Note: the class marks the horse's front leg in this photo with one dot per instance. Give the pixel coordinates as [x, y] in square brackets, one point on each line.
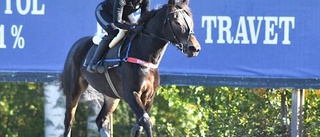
[143, 119]
[146, 123]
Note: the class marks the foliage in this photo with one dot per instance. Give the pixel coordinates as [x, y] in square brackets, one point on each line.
[208, 111]
[80, 123]
[223, 111]
[177, 111]
[123, 119]
[312, 113]
[21, 110]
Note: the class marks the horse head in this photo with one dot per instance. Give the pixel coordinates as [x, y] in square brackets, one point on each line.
[178, 28]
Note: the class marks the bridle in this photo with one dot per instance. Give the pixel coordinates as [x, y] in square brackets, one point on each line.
[190, 32]
[180, 45]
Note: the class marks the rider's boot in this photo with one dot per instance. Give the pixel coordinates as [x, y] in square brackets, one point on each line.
[100, 51]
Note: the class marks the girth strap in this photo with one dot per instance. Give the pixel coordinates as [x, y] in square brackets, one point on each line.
[106, 74]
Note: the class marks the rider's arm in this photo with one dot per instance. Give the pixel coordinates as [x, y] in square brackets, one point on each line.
[117, 15]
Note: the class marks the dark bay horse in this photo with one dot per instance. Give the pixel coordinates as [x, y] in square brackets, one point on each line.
[135, 80]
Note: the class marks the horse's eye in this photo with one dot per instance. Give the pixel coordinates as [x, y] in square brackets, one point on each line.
[176, 16]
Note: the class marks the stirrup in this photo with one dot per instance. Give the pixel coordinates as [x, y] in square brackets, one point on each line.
[95, 68]
[100, 69]
[92, 67]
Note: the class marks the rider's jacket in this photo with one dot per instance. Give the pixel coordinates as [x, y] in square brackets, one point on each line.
[121, 9]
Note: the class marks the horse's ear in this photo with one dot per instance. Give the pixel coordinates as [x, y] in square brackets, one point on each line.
[186, 2]
[171, 2]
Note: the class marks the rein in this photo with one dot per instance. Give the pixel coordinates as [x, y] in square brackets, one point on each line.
[144, 32]
[148, 34]
[136, 60]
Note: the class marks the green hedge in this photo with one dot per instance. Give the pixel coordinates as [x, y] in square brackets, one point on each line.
[177, 111]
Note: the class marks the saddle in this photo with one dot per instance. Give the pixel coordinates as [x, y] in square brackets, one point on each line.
[114, 56]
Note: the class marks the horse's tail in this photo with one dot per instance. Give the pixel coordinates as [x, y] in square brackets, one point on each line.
[71, 72]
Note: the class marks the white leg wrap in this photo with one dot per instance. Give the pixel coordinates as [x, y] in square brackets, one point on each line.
[146, 115]
[104, 133]
[69, 133]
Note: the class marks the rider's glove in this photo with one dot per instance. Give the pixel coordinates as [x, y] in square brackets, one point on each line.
[136, 28]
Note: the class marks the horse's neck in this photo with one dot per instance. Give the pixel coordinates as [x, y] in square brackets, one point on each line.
[153, 45]
[152, 49]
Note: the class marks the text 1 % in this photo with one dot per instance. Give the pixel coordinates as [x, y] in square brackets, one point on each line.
[19, 40]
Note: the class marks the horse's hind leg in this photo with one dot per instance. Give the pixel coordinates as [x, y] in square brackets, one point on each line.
[72, 100]
[103, 119]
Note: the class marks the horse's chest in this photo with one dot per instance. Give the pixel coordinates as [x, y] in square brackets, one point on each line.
[149, 80]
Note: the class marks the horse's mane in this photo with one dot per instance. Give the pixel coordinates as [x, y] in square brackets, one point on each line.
[148, 15]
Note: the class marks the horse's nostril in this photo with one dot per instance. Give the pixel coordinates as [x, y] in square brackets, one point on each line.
[193, 49]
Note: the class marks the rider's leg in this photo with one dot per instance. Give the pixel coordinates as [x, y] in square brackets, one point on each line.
[101, 50]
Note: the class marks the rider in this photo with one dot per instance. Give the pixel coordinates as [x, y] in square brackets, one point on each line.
[114, 15]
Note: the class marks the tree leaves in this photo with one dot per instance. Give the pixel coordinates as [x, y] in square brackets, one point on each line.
[177, 111]
[21, 105]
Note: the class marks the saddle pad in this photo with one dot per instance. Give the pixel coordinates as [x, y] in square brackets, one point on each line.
[117, 53]
[114, 56]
